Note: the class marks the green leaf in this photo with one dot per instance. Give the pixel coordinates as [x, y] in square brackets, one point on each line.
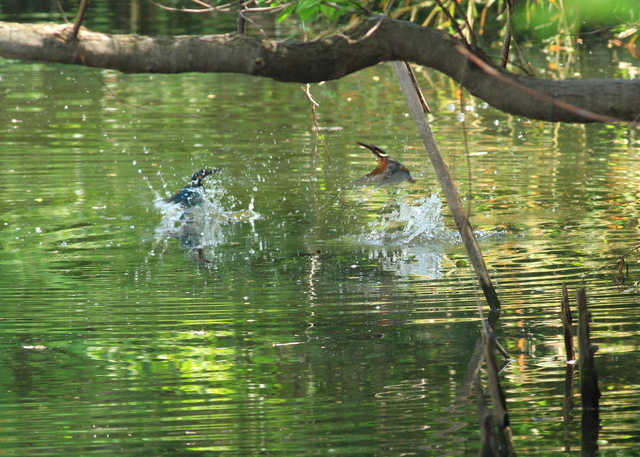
[331, 13]
[287, 11]
[308, 10]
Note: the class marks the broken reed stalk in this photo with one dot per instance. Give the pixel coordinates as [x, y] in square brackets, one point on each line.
[411, 93]
[589, 391]
[485, 420]
[567, 322]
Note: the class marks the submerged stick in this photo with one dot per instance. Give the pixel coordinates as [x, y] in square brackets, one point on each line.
[588, 375]
[567, 322]
[589, 391]
[567, 401]
[448, 186]
[485, 421]
[498, 401]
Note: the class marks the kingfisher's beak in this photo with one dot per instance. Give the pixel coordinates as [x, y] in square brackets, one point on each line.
[204, 173]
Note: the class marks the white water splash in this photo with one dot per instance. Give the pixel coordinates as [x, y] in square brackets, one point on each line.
[411, 223]
[199, 226]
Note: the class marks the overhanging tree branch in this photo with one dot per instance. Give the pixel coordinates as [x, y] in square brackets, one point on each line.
[375, 39]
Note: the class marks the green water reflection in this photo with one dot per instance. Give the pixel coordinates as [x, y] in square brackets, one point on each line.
[304, 324]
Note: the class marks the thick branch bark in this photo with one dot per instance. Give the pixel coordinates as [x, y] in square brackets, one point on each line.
[376, 39]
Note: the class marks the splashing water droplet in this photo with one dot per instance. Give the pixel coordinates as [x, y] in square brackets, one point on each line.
[410, 223]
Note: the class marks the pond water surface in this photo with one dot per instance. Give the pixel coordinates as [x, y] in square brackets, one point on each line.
[293, 313]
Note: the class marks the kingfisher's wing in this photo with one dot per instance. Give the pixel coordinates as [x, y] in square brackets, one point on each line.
[388, 171]
[189, 196]
[392, 172]
[395, 174]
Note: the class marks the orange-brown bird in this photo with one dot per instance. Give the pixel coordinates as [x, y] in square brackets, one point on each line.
[388, 171]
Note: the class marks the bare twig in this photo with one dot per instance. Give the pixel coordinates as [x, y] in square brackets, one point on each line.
[412, 75]
[227, 7]
[316, 126]
[525, 66]
[387, 11]
[76, 25]
[64, 16]
[545, 98]
[454, 24]
[360, 8]
[458, 7]
[504, 58]
[466, 151]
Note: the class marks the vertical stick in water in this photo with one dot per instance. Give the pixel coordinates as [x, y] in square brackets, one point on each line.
[448, 186]
[567, 322]
[589, 391]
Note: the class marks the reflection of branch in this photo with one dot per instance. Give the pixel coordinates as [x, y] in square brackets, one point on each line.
[567, 401]
[485, 419]
[617, 259]
[475, 362]
[315, 262]
[588, 375]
